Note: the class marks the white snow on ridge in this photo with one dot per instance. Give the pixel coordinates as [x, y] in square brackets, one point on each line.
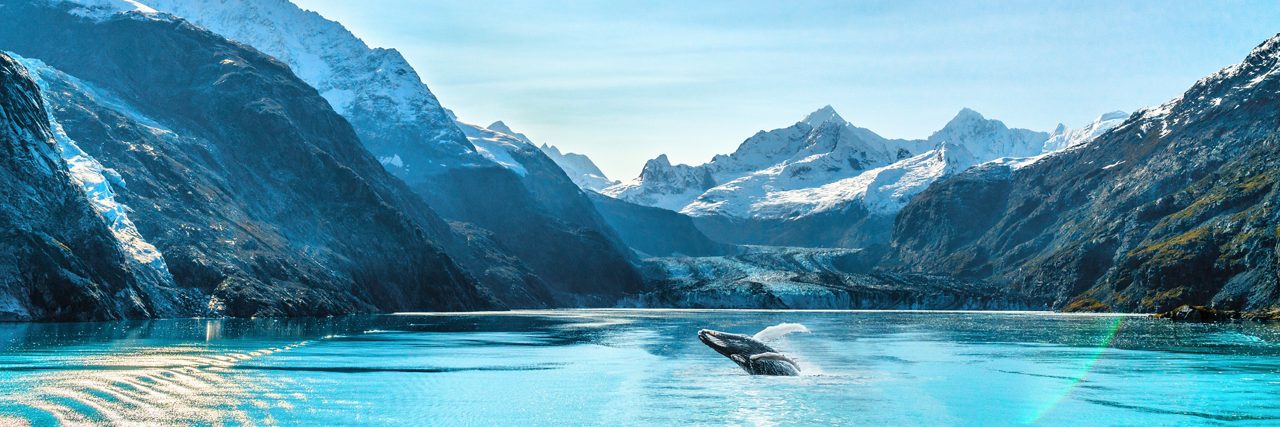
[103, 9]
[579, 167]
[96, 181]
[376, 89]
[663, 185]
[321, 52]
[495, 146]
[1063, 138]
[823, 164]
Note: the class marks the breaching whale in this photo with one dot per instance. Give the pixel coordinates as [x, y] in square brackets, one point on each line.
[753, 356]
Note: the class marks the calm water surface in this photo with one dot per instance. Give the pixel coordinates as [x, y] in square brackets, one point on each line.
[637, 367]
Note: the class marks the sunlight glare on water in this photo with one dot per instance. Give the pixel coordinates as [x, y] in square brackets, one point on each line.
[645, 367]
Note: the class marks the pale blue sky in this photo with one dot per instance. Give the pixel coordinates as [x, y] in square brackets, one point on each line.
[624, 81]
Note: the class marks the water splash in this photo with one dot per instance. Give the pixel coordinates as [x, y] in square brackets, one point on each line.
[778, 331]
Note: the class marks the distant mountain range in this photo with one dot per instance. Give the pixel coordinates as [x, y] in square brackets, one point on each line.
[170, 158]
[824, 182]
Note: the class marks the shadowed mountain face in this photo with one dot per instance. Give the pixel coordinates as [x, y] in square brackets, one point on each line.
[62, 259]
[657, 231]
[504, 187]
[260, 198]
[1176, 205]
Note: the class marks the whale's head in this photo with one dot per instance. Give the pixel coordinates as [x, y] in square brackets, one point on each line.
[728, 344]
[753, 356]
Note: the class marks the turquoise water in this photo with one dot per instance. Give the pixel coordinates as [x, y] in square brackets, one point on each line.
[637, 367]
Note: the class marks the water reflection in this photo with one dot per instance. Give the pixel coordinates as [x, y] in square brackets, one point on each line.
[212, 329]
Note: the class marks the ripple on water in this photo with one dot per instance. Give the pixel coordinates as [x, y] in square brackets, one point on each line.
[620, 367]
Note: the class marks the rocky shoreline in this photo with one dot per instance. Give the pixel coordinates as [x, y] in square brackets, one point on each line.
[1204, 314]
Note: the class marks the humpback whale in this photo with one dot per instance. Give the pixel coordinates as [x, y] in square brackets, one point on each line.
[753, 356]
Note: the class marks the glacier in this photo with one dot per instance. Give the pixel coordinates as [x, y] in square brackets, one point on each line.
[97, 181]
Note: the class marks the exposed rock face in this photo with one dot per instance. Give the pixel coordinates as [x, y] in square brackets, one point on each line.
[396, 117]
[498, 182]
[1198, 313]
[1176, 205]
[656, 231]
[63, 260]
[809, 279]
[260, 197]
[664, 185]
[542, 217]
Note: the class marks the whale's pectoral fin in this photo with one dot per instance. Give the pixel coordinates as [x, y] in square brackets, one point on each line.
[771, 356]
[739, 359]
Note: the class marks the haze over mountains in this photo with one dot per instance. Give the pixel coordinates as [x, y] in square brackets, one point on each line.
[249, 158]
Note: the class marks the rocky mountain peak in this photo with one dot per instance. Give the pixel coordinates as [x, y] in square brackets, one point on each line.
[655, 165]
[988, 138]
[500, 126]
[826, 114]
[967, 118]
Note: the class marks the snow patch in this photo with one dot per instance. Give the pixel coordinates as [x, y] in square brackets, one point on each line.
[495, 146]
[102, 9]
[392, 161]
[579, 167]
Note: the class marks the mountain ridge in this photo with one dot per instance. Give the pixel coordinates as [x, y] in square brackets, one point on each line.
[1176, 205]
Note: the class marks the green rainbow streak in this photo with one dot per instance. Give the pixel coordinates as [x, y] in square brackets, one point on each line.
[1103, 343]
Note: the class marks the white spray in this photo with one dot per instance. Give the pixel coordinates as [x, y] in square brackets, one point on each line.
[774, 333]
[778, 331]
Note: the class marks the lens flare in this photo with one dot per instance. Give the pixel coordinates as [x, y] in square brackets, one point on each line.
[1103, 342]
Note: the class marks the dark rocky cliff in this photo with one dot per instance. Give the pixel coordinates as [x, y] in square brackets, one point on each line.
[656, 231]
[61, 259]
[259, 196]
[1177, 205]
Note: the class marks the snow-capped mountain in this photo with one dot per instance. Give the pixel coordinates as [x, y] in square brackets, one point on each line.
[580, 168]
[1063, 138]
[102, 9]
[495, 145]
[779, 192]
[1175, 205]
[224, 185]
[824, 166]
[819, 149]
[458, 168]
[664, 185]
[396, 116]
[819, 164]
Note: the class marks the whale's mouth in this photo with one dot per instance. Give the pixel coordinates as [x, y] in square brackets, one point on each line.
[712, 339]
